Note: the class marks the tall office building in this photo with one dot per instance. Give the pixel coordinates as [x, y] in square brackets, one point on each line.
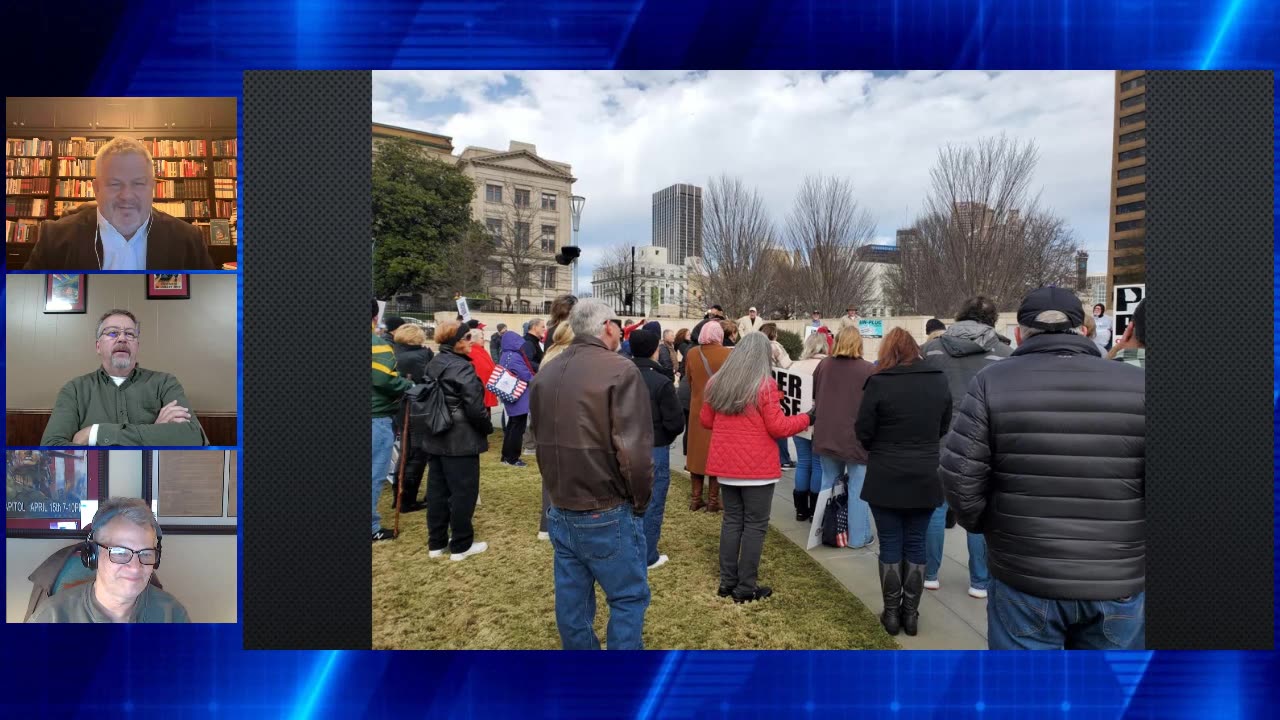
[677, 222]
[1126, 257]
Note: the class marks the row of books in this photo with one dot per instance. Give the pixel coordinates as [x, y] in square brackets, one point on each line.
[223, 208]
[181, 168]
[62, 207]
[81, 146]
[225, 148]
[224, 188]
[14, 206]
[35, 146]
[179, 148]
[22, 231]
[28, 186]
[71, 167]
[26, 166]
[75, 189]
[182, 189]
[224, 168]
[185, 209]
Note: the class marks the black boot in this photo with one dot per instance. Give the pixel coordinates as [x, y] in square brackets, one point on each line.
[891, 590]
[801, 500]
[813, 504]
[912, 589]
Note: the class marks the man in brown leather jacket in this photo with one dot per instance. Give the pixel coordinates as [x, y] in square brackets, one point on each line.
[595, 437]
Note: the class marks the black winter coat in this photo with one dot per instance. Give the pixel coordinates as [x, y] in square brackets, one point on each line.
[1048, 459]
[464, 396]
[905, 411]
[668, 419]
[411, 361]
[533, 351]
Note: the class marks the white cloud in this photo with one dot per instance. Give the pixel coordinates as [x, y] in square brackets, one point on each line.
[629, 134]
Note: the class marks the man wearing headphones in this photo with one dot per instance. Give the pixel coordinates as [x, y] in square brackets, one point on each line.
[125, 233]
[121, 403]
[123, 549]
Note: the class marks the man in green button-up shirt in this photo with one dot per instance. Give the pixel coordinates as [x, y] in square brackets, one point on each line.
[121, 403]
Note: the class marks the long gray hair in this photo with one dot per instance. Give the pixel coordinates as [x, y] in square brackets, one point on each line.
[736, 385]
[815, 344]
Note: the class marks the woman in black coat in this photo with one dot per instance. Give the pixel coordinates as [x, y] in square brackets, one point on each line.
[906, 410]
[409, 342]
[453, 456]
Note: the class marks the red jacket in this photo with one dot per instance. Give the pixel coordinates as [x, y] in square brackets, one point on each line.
[746, 446]
[484, 368]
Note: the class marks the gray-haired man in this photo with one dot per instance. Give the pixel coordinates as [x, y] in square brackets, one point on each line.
[123, 549]
[121, 403]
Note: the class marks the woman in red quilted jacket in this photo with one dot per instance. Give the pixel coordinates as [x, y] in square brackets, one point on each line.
[742, 410]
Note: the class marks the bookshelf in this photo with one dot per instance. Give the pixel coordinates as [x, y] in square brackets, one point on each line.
[49, 162]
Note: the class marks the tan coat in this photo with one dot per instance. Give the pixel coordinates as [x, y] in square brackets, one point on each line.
[700, 437]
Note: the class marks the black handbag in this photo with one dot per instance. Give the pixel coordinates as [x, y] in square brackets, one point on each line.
[835, 518]
[427, 406]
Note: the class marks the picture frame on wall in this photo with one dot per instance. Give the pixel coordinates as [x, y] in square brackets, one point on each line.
[219, 232]
[168, 286]
[53, 493]
[192, 492]
[65, 293]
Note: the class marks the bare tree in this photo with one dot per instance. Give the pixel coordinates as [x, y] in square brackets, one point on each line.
[981, 232]
[737, 234]
[518, 245]
[825, 229]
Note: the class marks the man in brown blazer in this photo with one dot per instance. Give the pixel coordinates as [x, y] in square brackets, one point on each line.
[121, 231]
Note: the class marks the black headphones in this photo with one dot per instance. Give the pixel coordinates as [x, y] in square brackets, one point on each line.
[89, 551]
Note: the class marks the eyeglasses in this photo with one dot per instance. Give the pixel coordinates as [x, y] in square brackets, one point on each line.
[113, 333]
[616, 321]
[123, 555]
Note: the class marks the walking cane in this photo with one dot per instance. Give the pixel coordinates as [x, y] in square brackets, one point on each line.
[404, 450]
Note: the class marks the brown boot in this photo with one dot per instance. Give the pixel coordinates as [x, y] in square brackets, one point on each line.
[696, 503]
[713, 496]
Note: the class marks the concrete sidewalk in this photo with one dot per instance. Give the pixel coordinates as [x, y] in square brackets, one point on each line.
[949, 618]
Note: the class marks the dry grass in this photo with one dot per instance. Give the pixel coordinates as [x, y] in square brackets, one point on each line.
[504, 598]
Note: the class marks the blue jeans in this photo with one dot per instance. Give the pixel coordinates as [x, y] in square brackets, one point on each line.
[658, 503]
[901, 533]
[808, 467]
[979, 577]
[383, 439]
[606, 547]
[1018, 621]
[784, 451]
[859, 513]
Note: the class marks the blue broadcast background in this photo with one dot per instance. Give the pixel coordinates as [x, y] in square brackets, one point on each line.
[202, 47]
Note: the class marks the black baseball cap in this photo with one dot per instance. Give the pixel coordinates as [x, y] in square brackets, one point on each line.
[717, 307]
[1048, 300]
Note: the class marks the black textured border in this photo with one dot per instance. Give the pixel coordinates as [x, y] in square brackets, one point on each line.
[307, 209]
[1209, 242]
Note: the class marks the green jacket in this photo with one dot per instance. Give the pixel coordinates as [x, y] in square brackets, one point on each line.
[388, 386]
[77, 605]
[125, 415]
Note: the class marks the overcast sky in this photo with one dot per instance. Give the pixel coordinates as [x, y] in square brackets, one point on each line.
[628, 134]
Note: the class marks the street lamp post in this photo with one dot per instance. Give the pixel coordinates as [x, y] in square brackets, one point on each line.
[575, 208]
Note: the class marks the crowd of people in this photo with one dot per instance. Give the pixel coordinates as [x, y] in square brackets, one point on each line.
[1036, 451]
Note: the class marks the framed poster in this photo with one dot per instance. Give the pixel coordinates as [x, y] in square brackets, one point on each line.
[192, 491]
[168, 286]
[53, 493]
[219, 232]
[65, 293]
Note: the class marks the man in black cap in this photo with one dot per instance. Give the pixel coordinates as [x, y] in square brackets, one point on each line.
[715, 312]
[1046, 457]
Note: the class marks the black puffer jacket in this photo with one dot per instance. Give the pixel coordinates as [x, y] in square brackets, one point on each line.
[1052, 470]
[464, 396]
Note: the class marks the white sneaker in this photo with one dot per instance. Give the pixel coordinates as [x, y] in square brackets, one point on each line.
[932, 584]
[662, 560]
[475, 549]
[976, 593]
[436, 553]
[544, 535]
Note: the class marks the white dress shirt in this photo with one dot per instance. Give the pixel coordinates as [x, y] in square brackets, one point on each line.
[121, 254]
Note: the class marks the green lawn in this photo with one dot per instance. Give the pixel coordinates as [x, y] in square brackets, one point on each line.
[504, 598]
